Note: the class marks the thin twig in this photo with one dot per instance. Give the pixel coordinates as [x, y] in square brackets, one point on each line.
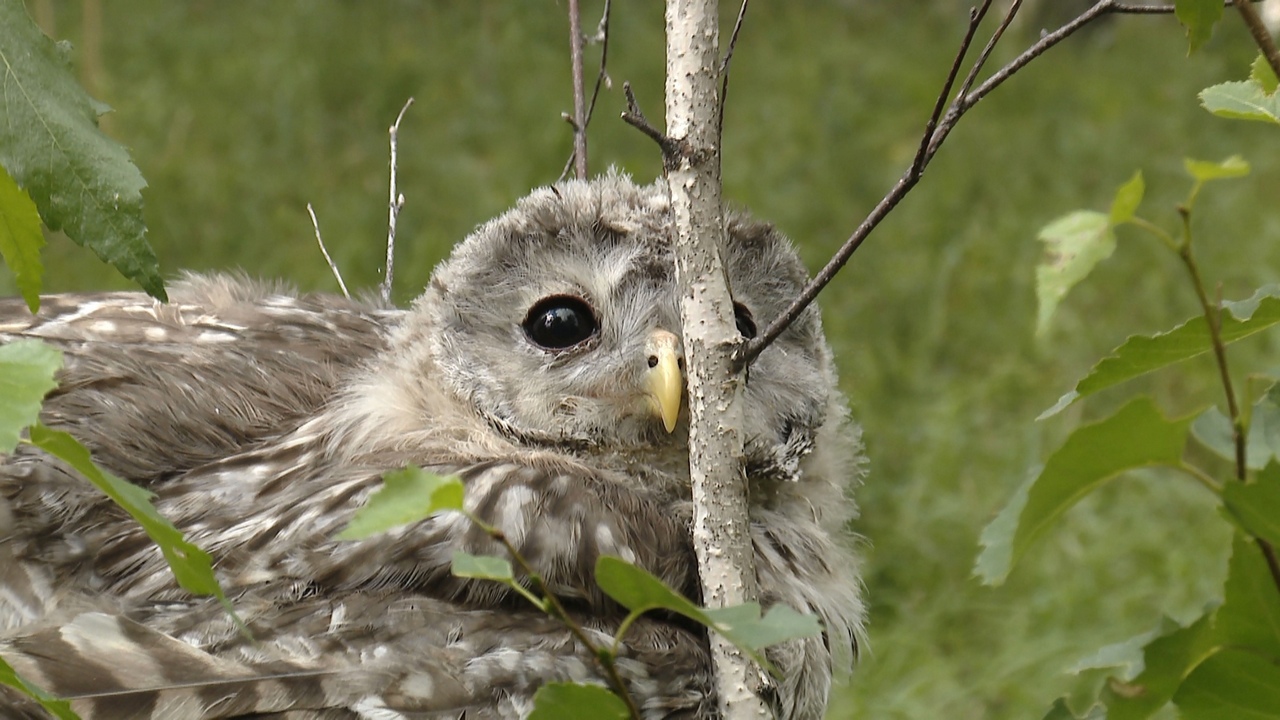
[1261, 36]
[931, 142]
[975, 19]
[394, 205]
[558, 611]
[724, 64]
[634, 117]
[332, 265]
[579, 92]
[602, 79]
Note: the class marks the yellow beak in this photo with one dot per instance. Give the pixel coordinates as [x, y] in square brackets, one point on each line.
[664, 380]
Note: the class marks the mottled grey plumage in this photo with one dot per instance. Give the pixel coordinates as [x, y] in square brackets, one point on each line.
[263, 419]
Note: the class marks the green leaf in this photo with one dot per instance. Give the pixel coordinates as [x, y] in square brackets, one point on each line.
[1260, 72]
[1205, 170]
[1231, 685]
[996, 557]
[556, 701]
[1141, 354]
[1214, 431]
[1249, 617]
[27, 368]
[60, 709]
[1075, 243]
[639, 591]
[1242, 101]
[82, 181]
[1255, 506]
[1167, 660]
[21, 239]
[1136, 436]
[1127, 199]
[482, 567]
[744, 627]
[1060, 711]
[406, 496]
[1198, 17]
[191, 566]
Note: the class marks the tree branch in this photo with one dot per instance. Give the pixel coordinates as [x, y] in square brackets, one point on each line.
[721, 526]
[724, 66]
[1261, 36]
[579, 93]
[394, 205]
[936, 133]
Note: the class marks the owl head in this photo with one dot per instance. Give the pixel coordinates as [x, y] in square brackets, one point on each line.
[558, 322]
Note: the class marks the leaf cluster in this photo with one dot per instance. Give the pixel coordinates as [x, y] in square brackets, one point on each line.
[1227, 662]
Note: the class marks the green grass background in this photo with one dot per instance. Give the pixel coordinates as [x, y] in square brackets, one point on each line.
[239, 113]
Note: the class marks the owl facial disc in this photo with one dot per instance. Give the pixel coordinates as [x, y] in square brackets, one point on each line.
[664, 380]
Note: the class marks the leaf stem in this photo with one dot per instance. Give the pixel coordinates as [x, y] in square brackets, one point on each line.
[550, 604]
[1212, 316]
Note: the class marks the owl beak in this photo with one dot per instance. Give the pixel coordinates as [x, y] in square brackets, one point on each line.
[664, 380]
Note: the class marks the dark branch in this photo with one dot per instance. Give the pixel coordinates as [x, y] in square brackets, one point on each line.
[724, 65]
[932, 140]
[975, 19]
[634, 117]
[1261, 36]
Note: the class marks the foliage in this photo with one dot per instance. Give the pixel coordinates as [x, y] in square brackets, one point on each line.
[1226, 663]
[413, 494]
[81, 180]
[239, 114]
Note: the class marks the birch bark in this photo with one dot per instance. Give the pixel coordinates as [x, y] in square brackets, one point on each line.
[721, 525]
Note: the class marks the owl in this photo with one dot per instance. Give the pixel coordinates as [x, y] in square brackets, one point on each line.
[542, 366]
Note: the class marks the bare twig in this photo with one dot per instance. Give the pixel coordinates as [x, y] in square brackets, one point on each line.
[579, 93]
[1258, 30]
[394, 205]
[724, 64]
[975, 19]
[332, 265]
[634, 117]
[937, 131]
[602, 79]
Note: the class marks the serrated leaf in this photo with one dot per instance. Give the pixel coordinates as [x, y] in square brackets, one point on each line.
[1260, 72]
[1213, 430]
[1245, 100]
[1135, 436]
[640, 591]
[60, 709]
[744, 626]
[996, 556]
[1255, 506]
[1127, 199]
[27, 368]
[557, 701]
[21, 239]
[1206, 170]
[191, 566]
[1249, 617]
[82, 181]
[1075, 244]
[1167, 660]
[1141, 354]
[482, 567]
[1198, 17]
[1231, 685]
[406, 496]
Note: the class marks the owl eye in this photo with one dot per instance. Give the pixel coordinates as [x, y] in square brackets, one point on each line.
[559, 322]
[746, 324]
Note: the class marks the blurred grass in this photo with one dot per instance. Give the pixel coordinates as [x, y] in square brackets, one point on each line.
[239, 113]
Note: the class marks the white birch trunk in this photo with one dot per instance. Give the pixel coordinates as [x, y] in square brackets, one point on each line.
[721, 531]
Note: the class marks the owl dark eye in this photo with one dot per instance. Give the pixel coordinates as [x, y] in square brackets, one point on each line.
[746, 324]
[560, 321]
